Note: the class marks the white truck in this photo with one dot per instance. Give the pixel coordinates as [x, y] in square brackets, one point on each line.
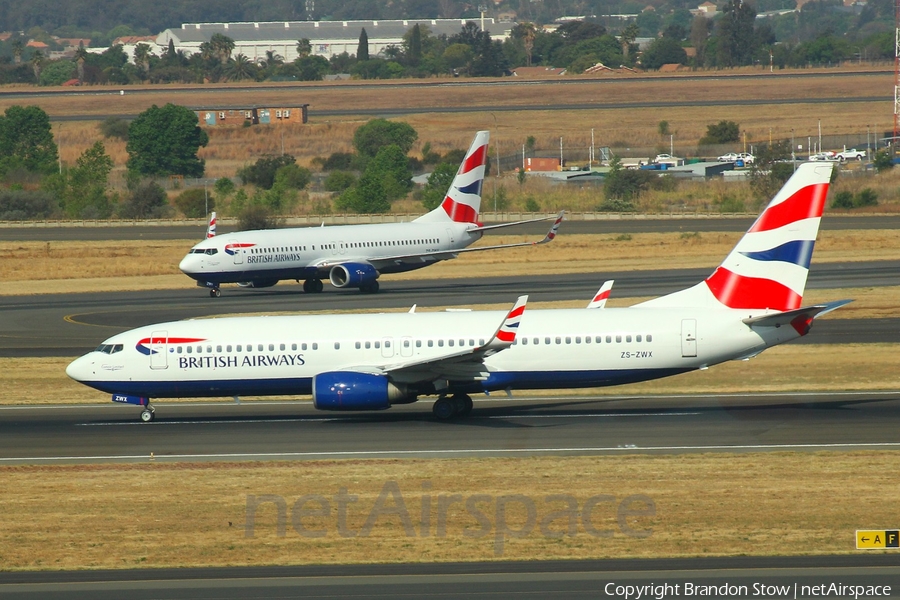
[852, 154]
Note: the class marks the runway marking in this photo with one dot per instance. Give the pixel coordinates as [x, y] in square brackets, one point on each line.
[328, 419]
[378, 453]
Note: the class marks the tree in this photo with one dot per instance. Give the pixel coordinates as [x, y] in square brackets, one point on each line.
[304, 48]
[391, 166]
[437, 185]
[312, 68]
[414, 54]
[627, 37]
[378, 133]
[367, 196]
[362, 51]
[240, 68]
[17, 48]
[80, 57]
[142, 60]
[221, 47]
[723, 132]
[165, 141]
[57, 72]
[37, 62]
[83, 188]
[147, 200]
[193, 203]
[735, 40]
[663, 51]
[26, 140]
[262, 172]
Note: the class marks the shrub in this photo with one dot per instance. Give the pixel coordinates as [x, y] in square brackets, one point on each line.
[842, 199]
[255, 217]
[531, 205]
[195, 202]
[338, 181]
[115, 127]
[262, 172]
[21, 205]
[147, 201]
[224, 187]
[292, 176]
[866, 197]
[723, 132]
[338, 161]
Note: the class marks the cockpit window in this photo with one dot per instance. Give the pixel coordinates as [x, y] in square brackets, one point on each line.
[109, 348]
[207, 251]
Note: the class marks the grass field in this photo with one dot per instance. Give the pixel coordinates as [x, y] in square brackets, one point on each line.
[185, 515]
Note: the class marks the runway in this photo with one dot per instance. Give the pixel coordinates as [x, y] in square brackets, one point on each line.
[516, 427]
[72, 324]
[613, 224]
[473, 581]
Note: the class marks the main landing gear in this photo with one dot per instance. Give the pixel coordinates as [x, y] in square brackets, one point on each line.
[313, 286]
[148, 414]
[457, 405]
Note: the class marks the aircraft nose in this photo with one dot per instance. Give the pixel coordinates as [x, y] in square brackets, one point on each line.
[188, 265]
[80, 368]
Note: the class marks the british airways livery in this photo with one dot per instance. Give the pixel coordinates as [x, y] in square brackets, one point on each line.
[352, 256]
[751, 302]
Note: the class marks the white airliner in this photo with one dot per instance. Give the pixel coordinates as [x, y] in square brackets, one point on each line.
[352, 256]
[372, 361]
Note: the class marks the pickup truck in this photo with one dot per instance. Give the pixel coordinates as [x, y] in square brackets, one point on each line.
[852, 154]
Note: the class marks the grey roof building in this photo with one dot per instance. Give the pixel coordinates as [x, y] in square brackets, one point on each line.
[326, 37]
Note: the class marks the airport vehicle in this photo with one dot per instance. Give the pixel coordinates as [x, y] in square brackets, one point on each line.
[852, 154]
[826, 156]
[351, 362]
[353, 256]
[745, 157]
[729, 157]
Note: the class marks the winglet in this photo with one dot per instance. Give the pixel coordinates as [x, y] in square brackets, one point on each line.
[211, 228]
[551, 235]
[505, 336]
[602, 295]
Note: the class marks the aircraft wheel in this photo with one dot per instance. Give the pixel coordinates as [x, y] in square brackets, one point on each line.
[147, 415]
[318, 286]
[466, 405]
[307, 286]
[215, 293]
[444, 409]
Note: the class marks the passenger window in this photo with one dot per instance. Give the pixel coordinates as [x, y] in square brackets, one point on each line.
[618, 339]
[249, 347]
[547, 341]
[524, 341]
[481, 342]
[190, 349]
[358, 345]
[239, 348]
[303, 346]
[440, 343]
[378, 344]
[259, 347]
[199, 349]
[271, 347]
[281, 347]
[430, 343]
[559, 340]
[368, 345]
[587, 339]
[179, 350]
[568, 340]
[637, 338]
[293, 346]
[337, 345]
[450, 343]
[387, 344]
[315, 346]
[649, 338]
[536, 341]
[406, 343]
[418, 343]
[578, 339]
[218, 348]
[609, 339]
[627, 338]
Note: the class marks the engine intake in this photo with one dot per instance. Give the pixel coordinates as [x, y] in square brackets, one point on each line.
[352, 275]
[348, 390]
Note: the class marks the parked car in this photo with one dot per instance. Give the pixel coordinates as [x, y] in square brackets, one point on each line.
[664, 158]
[730, 157]
[748, 158]
[852, 154]
[824, 156]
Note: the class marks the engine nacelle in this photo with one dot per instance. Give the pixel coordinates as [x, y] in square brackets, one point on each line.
[348, 390]
[258, 283]
[352, 275]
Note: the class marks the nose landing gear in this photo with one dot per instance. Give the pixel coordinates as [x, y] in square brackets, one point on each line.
[148, 414]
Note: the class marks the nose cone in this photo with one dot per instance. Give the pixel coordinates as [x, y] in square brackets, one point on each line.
[80, 369]
[189, 265]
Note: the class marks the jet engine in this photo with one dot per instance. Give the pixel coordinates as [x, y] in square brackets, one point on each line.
[348, 390]
[353, 275]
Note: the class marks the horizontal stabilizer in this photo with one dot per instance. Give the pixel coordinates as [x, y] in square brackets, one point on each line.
[511, 224]
[799, 318]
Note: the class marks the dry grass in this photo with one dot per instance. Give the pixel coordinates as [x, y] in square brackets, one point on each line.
[231, 148]
[63, 267]
[186, 515]
[788, 368]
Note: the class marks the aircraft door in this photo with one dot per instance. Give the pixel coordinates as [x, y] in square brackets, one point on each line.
[387, 347]
[159, 350]
[450, 235]
[688, 338]
[335, 246]
[238, 252]
[406, 346]
[342, 248]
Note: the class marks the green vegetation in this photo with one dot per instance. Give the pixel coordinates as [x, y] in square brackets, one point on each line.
[165, 141]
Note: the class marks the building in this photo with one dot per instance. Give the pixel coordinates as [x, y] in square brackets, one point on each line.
[327, 38]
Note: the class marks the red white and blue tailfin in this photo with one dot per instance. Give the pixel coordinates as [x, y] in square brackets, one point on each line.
[602, 295]
[463, 199]
[769, 266]
[211, 229]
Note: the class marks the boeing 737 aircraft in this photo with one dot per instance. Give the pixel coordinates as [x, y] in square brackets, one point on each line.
[751, 302]
[352, 256]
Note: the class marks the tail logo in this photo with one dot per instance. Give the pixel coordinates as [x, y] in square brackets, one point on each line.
[233, 248]
[510, 327]
[769, 267]
[145, 345]
[468, 182]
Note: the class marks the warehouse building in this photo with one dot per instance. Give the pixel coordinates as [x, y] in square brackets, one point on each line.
[327, 38]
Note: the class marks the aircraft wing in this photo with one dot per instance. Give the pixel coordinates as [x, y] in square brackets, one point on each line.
[381, 261]
[462, 365]
[514, 223]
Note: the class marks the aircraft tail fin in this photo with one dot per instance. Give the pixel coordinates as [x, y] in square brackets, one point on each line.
[602, 295]
[769, 266]
[211, 228]
[463, 200]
